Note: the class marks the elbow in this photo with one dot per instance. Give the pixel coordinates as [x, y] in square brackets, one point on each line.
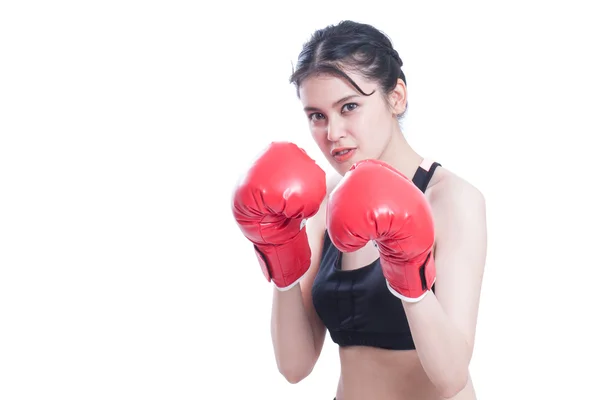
[295, 374]
[297, 370]
[452, 386]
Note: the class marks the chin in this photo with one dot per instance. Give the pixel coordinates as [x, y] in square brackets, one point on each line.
[343, 167]
[339, 168]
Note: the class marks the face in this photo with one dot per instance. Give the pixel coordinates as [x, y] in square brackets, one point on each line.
[346, 125]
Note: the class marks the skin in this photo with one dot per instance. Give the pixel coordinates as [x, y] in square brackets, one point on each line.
[443, 324]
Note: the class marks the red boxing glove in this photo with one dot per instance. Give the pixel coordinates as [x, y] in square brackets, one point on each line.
[271, 203]
[375, 202]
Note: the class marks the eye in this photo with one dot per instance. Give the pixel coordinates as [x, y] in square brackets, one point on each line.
[316, 116]
[349, 107]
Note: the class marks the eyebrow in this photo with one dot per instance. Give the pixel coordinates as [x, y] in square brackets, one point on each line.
[343, 99]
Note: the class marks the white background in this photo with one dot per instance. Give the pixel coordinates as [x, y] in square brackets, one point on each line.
[124, 126]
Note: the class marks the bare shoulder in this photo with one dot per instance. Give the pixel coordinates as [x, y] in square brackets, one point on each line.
[450, 192]
[459, 211]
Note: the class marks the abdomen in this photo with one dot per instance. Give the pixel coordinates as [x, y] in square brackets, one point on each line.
[372, 373]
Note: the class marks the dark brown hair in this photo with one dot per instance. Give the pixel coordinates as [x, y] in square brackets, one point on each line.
[350, 46]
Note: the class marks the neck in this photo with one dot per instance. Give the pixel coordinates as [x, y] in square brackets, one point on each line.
[401, 156]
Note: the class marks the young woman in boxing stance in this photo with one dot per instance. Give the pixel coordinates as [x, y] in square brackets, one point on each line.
[388, 255]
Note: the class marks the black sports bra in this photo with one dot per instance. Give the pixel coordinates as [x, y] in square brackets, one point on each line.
[355, 305]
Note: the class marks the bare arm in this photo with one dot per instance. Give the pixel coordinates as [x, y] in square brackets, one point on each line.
[443, 325]
[297, 332]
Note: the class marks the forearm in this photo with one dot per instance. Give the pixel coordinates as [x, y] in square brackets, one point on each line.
[442, 348]
[292, 334]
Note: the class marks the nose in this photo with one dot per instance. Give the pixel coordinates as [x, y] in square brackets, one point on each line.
[335, 130]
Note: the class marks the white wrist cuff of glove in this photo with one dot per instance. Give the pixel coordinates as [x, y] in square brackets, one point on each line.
[408, 299]
[291, 285]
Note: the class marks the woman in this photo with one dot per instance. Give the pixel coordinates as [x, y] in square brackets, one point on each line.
[397, 283]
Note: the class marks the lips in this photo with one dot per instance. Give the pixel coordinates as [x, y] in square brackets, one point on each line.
[342, 154]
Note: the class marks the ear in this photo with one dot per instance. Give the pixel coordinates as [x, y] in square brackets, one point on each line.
[398, 98]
